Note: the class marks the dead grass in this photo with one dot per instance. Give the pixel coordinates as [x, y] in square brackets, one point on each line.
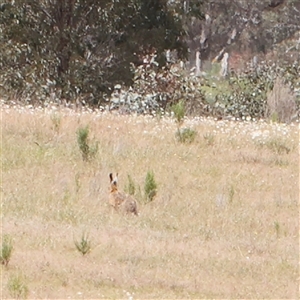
[281, 103]
[224, 224]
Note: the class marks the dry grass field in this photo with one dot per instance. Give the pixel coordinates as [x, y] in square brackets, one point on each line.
[224, 222]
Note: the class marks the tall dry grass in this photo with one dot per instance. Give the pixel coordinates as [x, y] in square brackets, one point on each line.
[281, 103]
[224, 223]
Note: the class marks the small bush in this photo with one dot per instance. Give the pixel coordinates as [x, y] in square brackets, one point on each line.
[84, 245]
[179, 111]
[185, 135]
[150, 187]
[88, 151]
[17, 287]
[6, 250]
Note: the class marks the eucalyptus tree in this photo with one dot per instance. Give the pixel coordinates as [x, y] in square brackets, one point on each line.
[81, 48]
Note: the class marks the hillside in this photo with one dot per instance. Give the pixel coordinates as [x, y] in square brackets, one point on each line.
[224, 223]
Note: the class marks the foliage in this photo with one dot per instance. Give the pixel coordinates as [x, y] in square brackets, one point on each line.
[17, 287]
[87, 151]
[179, 111]
[248, 94]
[84, 245]
[185, 135]
[150, 187]
[245, 27]
[6, 250]
[248, 97]
[157, 89]
[81, 49]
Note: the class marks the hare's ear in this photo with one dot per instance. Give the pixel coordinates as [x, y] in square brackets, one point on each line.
[116, 178]
[111, 177]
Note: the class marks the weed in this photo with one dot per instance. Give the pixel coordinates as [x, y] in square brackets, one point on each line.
[84, 245]
[209, 138]
[150, 187]
[6, 250]
[231, 193]
[77, 182]
[281, 162]
[274, 144]
[17, 287]
[278, 146]
[179, 111]
[185, 135]
[82, 140]
[88, 151]
[277, 228]
[130, 187]
[56, 120]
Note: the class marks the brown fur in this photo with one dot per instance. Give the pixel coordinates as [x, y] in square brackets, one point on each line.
[121, 201]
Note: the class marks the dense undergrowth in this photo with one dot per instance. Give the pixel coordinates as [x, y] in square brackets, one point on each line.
[269, 91]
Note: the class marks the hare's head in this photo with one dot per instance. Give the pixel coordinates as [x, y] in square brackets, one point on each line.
[113, 182]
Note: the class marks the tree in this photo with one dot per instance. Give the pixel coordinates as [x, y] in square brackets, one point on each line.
[81, 48]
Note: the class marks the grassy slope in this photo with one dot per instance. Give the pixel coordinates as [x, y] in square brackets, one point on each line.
[224, 223]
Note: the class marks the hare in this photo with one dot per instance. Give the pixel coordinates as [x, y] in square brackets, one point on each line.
[120, 200]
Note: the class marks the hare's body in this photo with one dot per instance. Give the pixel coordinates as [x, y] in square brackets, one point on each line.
[121, 201]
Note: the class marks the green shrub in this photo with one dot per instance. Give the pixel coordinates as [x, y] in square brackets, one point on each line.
[185, 135]
[87, 151]
[150, 187]
[17, 287]
[179, 111]
[84, 245]
[272, 91]
[6, 250]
